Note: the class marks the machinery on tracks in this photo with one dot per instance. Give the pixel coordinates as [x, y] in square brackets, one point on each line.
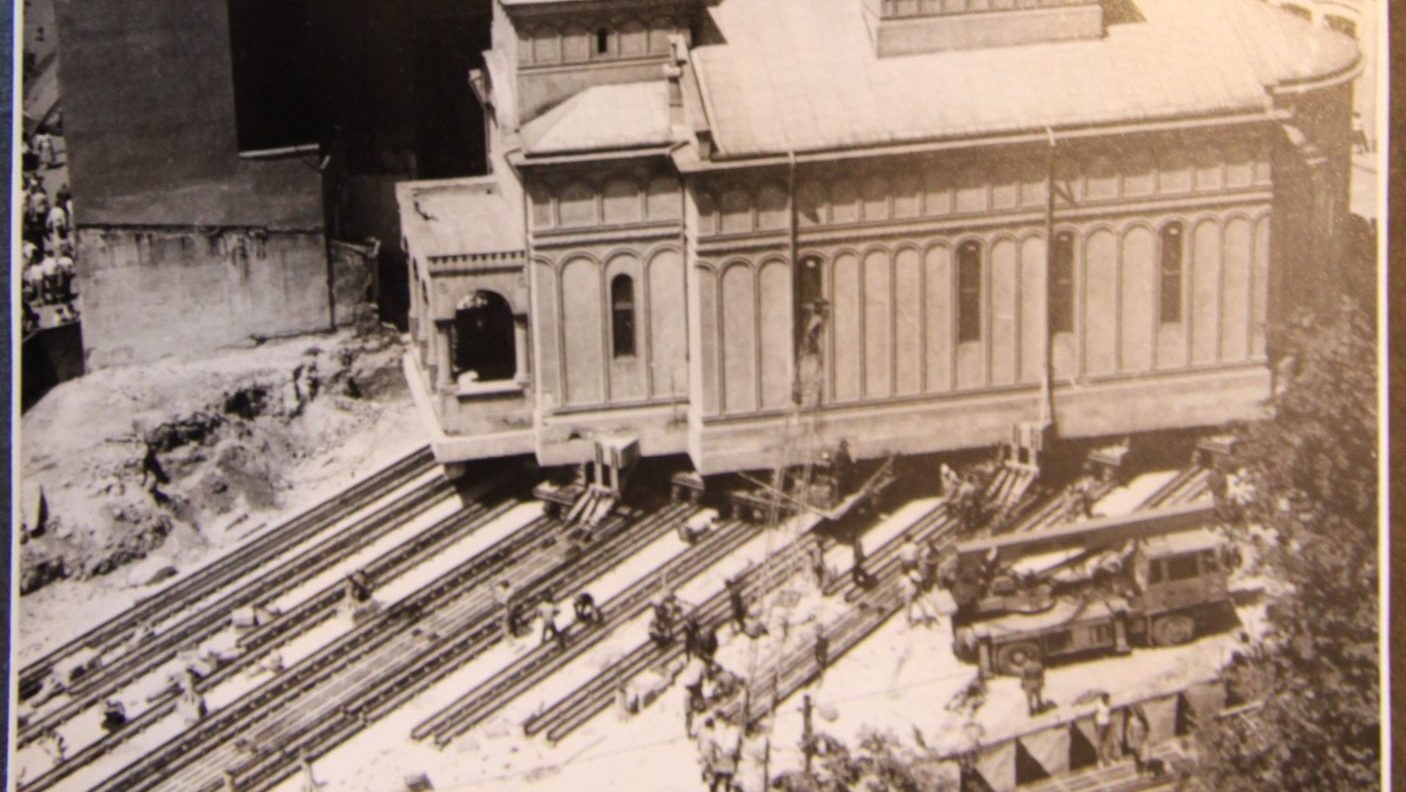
[1156, 578]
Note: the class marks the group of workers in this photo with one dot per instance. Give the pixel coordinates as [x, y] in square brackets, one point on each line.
[964, 492]
[48, 271]
[548, 613]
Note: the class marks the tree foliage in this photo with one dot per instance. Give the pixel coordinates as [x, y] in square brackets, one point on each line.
[1313, 471]
[881, 763]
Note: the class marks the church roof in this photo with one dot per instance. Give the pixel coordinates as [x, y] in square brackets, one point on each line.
[602, 117]
[802, 75]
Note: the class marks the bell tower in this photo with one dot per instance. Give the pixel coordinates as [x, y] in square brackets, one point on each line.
[555, 50]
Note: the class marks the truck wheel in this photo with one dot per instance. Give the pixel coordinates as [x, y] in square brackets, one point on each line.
[1178, 628]
[1013, 657]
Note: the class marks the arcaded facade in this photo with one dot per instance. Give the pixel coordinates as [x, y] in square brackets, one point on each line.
[703, 217]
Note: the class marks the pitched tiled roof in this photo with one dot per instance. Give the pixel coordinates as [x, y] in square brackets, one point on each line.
[458, 217]
[629, 115]
[798, 75]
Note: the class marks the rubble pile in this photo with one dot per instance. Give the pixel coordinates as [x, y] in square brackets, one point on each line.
[121, 462]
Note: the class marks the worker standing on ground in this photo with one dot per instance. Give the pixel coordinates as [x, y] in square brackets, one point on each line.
[912, 597]
[1032, 681]
[909, 555]
[857, 572]
[707, 750]
[707, 642]
[1103, 726]
[1135, 733]
[728, 742]
[822, 651]
[503, 595]
[692, 680]
[661, 625]
[817, 564]
[739, 605]
[548, 611]
[690, 637]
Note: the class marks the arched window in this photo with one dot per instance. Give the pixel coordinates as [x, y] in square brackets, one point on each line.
[1299, 11]
[969, 292]
[810, 298]
[622, 316]
[602, 41]
[1169, 303]
[1062, 284]
[482, 342]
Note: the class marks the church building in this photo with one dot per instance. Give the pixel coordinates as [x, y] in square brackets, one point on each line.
[915, 224]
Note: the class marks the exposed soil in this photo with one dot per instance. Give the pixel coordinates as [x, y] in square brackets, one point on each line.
[125, 462]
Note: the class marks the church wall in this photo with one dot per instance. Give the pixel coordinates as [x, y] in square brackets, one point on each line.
[590, 227]
[890, 271]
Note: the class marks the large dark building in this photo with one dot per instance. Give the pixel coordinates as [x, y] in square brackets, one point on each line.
[221, 151]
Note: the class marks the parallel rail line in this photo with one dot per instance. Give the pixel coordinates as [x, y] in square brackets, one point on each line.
[875, 606]
[217, 615]
[582, 704]
[475, 629]
[403, 649]
[230, 567]
[308, 614]
[477, 705]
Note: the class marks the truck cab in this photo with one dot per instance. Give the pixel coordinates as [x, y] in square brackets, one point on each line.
[1176, 575]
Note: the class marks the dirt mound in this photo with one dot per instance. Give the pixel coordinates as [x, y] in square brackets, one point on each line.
[117, 462]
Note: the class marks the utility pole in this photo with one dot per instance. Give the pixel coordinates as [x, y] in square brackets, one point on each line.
[807, 733]
[1047, 414]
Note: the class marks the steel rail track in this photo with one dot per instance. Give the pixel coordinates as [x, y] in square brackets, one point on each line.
[475, 706]
[461, 606]
[1057, 510]
[217, 615]
[885, 600]
[304, 675]
[1187, 485]
[472, 640]
[229, 567]
[305, 616]
[589, 699]
[877, 605]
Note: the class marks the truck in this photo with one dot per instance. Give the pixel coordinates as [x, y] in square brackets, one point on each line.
[1150, 578]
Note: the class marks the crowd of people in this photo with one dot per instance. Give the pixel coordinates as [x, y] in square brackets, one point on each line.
[48, 264]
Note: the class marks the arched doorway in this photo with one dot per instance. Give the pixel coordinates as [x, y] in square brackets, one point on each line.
[483, 341]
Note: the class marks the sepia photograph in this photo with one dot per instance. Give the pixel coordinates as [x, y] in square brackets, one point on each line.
[698, 395]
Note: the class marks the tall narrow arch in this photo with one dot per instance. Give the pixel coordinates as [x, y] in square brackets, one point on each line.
[622, 316]
[1062, 283]
[969, 291]
[811, 307]
[1173, 244]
